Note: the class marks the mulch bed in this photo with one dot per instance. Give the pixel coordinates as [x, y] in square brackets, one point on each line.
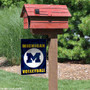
[65, 71]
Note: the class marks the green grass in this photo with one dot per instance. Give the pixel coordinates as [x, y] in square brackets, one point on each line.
[11, 80]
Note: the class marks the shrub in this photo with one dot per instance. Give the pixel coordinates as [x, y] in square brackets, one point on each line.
[70, 47]
[85, 28]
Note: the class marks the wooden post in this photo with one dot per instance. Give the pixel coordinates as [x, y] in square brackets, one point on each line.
[53, 80]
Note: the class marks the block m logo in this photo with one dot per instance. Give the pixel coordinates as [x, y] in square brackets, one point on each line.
[34, 58]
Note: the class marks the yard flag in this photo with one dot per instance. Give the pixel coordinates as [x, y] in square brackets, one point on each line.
[33, 56]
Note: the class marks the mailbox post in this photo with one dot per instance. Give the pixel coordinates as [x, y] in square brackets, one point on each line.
[53, 79]
[47, 20]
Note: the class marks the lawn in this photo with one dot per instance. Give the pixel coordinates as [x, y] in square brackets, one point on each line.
[26, 82]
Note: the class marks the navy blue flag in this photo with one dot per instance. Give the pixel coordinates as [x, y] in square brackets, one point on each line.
[33, 56]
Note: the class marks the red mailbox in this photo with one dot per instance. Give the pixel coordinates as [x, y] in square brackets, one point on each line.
[45, 19]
